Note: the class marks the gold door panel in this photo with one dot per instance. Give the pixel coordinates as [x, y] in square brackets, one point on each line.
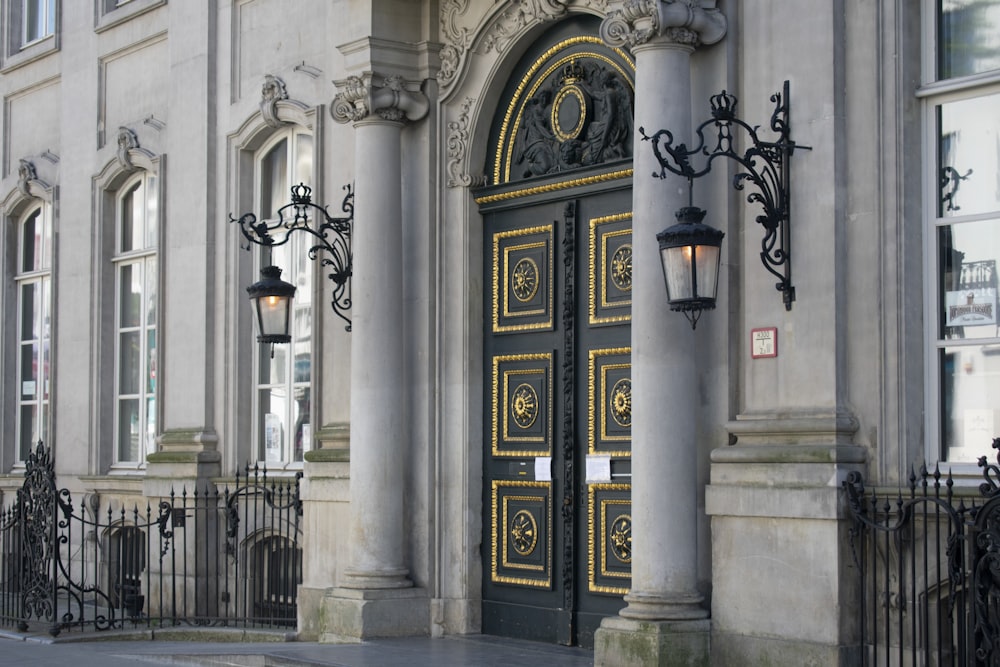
[522, 405]
[522, 535]
[609, 520]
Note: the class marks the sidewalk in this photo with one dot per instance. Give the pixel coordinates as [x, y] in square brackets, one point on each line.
[451, 651]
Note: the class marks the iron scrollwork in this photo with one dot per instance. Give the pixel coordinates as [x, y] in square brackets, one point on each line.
[763, 165]
[332, 238]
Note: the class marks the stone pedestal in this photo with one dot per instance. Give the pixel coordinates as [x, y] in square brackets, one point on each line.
[780, 545]
[623, 642]
[353, 615]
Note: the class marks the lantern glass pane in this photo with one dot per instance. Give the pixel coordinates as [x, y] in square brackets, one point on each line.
[273, 315]
[707, 260]
[677, 271]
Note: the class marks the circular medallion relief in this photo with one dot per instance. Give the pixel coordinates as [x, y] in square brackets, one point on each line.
[620, 538]
[569, 113]
[524, 405]
[621, 267]
[621, 402]
[523, 532]
[524, 279]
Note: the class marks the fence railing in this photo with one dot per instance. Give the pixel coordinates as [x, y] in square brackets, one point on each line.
[205, 557]
[929, 565]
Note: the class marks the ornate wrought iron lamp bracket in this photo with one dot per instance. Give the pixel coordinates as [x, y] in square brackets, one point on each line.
[332, 238]
[764, 166]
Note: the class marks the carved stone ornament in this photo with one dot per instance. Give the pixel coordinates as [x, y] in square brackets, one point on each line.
[497, 26]
[458, 147]
[388, 97]
[272, 92]
[127, 141]
[680, 21]
[25, 175]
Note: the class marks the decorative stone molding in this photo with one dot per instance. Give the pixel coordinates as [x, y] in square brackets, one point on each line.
[272, 92]
[458, 147]
[26, 174]
[495, 28]
[389, 97]
[685, 22]
[127, 141]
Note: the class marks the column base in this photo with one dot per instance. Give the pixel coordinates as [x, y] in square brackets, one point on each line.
[623, 642]
[656, 608]
[353, 615]
[376, 579]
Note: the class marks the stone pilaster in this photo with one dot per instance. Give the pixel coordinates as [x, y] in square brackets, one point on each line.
[665, 616]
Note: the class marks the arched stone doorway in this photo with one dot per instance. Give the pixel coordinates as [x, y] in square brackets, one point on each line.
[556, 340]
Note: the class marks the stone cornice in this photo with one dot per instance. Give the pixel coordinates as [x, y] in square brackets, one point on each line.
[391, 98]
[686, 22]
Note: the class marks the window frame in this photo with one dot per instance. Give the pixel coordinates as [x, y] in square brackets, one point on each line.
[932, 94]
[144, 256]
[305, 301]
[41, 276]
[110, 13]
[17, 50]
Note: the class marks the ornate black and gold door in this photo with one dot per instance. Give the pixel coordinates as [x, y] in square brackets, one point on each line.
[557, 525]
[557, 361]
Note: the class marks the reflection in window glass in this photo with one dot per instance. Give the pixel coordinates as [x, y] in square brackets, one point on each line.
[968, 37]
[135, 320]
[34, 329]
[969, 155]
[283, 430]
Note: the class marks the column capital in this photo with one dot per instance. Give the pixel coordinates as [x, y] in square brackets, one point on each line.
[685, 22]
[391, 98]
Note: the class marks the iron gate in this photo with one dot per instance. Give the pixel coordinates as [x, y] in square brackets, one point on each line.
[929, 564]
[210, 557]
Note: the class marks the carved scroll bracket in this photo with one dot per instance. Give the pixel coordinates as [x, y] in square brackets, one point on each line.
[391, 98]
[686, 22]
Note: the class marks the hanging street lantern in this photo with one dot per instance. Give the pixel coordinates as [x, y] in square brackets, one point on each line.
[689, 252]
[272, 302]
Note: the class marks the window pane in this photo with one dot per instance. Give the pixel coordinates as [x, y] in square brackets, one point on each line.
[151, 361]
[29, 372]
[39, 19]
[128, 372]
[152, 273]
[273, 408]
[31, 246]
[130, 295]
[970, 392]
[150, 424]
[274, 180]
[968, 37]
[969, 155]
[128, 430]
[152, 212]
[967, 265]
[273, 370]
[29, 316]
[303, 427]
[130, 225]
[303, 158]
[29, 434]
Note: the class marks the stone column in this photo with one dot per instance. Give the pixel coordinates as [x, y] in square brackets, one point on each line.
[665, 617]
[376, 597]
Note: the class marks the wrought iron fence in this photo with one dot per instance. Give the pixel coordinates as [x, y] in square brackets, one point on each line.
[929, 564]
[209, 557]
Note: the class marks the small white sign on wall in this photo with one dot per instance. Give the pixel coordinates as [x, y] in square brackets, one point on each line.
[764, 342]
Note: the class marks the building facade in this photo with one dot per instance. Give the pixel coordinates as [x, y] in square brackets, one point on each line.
[470, 458]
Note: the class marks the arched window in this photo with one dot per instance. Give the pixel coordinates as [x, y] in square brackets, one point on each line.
[136, 277]
[283, 373]
[33, 279]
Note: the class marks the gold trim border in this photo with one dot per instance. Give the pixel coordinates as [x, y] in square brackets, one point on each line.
[592, 584]
[495, 575]
[549, 278]
[547, 357]
[592, 396]
[554, 187]
[594, 223]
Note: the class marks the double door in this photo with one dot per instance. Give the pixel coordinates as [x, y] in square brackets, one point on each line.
[557, 414]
